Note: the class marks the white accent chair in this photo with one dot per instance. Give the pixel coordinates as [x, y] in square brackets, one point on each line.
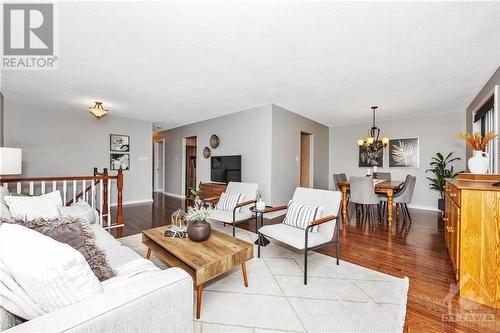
[328, 226]
[241, 212]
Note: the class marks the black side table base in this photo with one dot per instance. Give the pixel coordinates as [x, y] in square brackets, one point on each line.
[263, 241]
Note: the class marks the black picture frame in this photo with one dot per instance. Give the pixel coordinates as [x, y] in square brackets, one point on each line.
[117, 162]
[368, 159]
[404, 153]
[114, 144]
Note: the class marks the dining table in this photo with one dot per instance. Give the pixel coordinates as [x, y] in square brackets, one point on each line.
[389, 187]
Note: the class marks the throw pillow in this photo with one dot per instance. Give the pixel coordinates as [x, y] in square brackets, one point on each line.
[300, 216]
[228, 201]
[77, 234]
[80, 210]
[52, 274]
[44, 206]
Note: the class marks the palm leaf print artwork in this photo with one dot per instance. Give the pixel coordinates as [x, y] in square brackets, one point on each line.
[403, 153]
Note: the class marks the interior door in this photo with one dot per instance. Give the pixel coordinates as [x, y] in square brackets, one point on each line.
[159, 166]
[305, 162]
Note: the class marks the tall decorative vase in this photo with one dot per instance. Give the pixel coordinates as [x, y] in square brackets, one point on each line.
[479, 162]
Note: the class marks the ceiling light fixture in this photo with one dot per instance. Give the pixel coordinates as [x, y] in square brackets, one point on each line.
[98, 111]
[372, 142]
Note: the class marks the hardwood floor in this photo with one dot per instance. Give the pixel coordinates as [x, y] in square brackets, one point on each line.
[416, 250]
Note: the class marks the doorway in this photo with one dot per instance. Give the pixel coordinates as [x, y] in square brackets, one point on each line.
[190, 163]
[159, 179]
[306, 159]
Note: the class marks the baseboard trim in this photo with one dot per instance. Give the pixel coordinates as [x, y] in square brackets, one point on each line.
[423, 207]
[175, 195]
[133, 202]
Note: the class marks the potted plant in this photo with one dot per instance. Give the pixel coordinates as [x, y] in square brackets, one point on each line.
[480, 161]
[441, 168]
[198, 228]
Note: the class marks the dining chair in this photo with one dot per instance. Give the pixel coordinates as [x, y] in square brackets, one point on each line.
[326, 224]
[403, 197]
[339, 178]
[383, 175]
[363, 193]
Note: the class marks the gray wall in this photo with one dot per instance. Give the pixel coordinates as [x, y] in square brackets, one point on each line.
[246, 133]
[437, 133]
[69, 143]
[286, 153]
[483, 95]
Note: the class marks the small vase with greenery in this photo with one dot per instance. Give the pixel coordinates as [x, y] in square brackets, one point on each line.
[441, 168]
[198, 228]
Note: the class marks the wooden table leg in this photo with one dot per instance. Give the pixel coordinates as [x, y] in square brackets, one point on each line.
[389, 206]
[148, 254]
[344, 203]
[244, 269]
[198, 301]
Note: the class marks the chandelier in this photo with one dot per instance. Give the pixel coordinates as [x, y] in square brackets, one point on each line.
[97, 110]
[372, 142]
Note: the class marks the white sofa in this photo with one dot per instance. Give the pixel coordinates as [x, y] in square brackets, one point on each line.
[140, 298]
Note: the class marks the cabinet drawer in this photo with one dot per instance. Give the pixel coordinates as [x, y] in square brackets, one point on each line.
[453, 192]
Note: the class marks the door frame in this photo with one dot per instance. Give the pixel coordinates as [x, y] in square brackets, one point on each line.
[156, 173]
[310, 158]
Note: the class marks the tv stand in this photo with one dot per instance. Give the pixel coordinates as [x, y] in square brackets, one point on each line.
[209, 190]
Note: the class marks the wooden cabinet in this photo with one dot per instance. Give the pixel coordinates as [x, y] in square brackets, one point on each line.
[209, 190]
[472, 233]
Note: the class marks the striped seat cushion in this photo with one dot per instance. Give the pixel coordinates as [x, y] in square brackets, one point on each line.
[300, 216]
[228, 201]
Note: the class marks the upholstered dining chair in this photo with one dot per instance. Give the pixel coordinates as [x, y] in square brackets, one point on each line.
[237, 212]
[383, 175]
[320, 232]
[403, 197]
[339, 178]
[363, 193]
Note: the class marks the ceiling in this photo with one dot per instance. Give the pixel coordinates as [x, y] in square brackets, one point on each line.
[176, 63]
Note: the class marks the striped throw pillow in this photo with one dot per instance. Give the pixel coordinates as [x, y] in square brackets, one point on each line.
[300, 216]
[228, 201]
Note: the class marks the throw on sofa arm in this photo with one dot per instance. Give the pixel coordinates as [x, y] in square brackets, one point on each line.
[159, 302]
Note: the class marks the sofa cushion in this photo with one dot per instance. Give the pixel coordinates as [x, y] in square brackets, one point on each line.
[52, 274]
[8, 320]
[80, 210]
[293, 236]
[4, 210]
[103, 239]
[44, 206]
[77, 234]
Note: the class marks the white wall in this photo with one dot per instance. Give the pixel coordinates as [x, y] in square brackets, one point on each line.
[69, 143]
[436, 133]
[246, 133]
[286, 130]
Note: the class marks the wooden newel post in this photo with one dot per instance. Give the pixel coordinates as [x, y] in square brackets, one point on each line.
[96, 171]
[119, 184]
[105, 184]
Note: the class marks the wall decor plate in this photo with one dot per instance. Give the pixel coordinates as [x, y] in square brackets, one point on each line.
[119, 161]
[118, 142]
[214, 141]
[368, 158]
[207, 152]
[403, 153]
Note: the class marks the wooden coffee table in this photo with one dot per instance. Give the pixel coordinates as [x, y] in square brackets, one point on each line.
[203, 261]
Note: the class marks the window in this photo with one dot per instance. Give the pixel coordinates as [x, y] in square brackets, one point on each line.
[484, 122]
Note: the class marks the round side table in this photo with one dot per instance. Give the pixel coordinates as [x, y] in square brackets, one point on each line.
[259, 215]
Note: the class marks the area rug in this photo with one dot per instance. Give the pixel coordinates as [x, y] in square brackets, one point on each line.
[343, 298]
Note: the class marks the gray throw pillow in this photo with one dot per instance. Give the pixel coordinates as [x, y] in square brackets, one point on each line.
[79, 210]
[77, 234]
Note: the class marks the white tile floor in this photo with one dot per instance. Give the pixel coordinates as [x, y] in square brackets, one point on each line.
[339, 298]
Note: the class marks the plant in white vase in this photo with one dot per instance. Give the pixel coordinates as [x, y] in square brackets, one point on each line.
[480, 160]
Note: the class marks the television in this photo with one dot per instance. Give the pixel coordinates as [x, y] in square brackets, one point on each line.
[225, 169]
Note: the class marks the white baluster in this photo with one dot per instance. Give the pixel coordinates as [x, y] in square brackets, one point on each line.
[74, 191]
[19, 188]
[84, 190]
[32, 188]
[109, 202]
[65, 189]
[43, 187]
[54, 186]
[92, 194]
[101, 191]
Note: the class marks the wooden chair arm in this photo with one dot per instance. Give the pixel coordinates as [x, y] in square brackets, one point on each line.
[244, 203]
[274, 209]
[323, 220]
[210, 199]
